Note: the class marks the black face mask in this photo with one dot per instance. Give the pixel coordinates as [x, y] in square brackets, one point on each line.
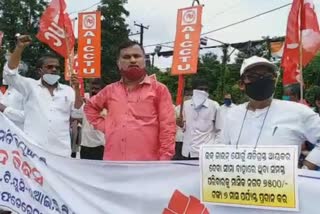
[261, 89]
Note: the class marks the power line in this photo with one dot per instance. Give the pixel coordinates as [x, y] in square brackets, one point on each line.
[95, 4]
[230, 25]
[244, 20]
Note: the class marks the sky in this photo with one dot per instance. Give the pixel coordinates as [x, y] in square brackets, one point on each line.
[160, 16]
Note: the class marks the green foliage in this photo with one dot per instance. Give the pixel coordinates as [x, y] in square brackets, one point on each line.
[114, 32]
[21, 16]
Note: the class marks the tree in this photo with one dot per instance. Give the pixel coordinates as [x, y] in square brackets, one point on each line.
[114, 32]
[22, 16]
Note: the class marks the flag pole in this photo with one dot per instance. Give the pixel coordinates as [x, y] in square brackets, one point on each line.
[182, 80]
[301, 63]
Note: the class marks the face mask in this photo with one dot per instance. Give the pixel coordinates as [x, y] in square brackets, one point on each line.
[51, 79]
[286, 98]
[134, 73]
[199, 97]
[261, 89]
[227, 102]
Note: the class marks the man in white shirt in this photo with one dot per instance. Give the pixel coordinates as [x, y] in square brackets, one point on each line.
[223, 111]
[12, 105]
[179, 133]
[267, 121]
[49, 105]
[92, 140]
[199, 115]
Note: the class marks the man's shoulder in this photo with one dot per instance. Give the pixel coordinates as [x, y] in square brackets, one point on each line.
[158, 84]
[213, 103]
[292, 107]
[65, 87]
[236, 109]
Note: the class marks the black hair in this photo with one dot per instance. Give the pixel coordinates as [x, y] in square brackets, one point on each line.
[128, 44]
[199, 82]
[43, 58]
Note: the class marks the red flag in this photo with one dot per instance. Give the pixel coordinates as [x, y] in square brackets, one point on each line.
[56, 28]
[310, 31]
[179, 98]
[302, 17]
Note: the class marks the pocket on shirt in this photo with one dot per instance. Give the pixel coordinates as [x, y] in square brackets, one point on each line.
[286, 136]
[143, 109]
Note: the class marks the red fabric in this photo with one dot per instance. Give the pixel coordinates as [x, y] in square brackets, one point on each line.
[290, 58]
[179, 98]
[310, 39]
[181, 204]
[310, 32]
[56, 28]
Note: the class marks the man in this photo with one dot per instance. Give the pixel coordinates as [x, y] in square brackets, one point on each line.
[267, 121]
[140, 124]
[199, 115]
[223, 111]
[292, 93]
[48, 104]
[12, 105]
[92, 140]
[179, 134]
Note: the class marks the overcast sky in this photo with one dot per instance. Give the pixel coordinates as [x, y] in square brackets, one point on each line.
[161, 19]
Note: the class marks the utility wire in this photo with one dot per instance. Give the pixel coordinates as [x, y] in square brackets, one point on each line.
[230, 25]
[85, 8]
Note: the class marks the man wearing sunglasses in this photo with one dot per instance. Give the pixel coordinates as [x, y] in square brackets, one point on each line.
[267, 121]
[49, 104]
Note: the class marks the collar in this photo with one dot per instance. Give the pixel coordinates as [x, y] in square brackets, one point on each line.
[146, 80]
[59, 87]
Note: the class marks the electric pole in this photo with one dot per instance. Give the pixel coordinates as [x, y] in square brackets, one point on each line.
[142, 28]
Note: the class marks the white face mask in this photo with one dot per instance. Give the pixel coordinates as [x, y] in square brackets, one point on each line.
[51, 79]
[198, 98]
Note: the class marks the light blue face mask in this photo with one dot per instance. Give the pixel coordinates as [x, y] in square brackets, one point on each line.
[286, 98]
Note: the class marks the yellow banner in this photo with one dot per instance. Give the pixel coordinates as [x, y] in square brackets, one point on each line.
[263, 178]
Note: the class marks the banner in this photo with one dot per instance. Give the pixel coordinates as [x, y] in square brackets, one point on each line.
[89, 44]
[187, 42]
[35, 181]
[263, 178]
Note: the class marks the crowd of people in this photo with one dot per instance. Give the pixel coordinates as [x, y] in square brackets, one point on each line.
[134, 119]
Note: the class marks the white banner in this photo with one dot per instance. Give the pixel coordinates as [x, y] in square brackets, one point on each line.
[34, 181]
